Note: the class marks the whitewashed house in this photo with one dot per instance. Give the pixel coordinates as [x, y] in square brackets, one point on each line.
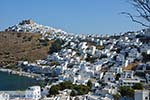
[109, 77]
[120, 58]
[127, 79]
[4, 96]
[134, 53]
[98, 75]
[97, 67]
[128, 82]
[33, 93]
[141, 95]
[126, 63]
[147, 76]
[101, 43]
[83, 45]
[148, 51]
[117, 70]
[127, 74]
[93, 50]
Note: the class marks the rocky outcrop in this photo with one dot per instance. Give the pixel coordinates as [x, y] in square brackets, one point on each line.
[29, 21]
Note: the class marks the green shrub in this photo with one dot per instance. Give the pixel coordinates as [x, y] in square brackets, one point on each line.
[89, 84]
[54, 90]
[126, 91]
[138, 86]
[56, 46]
[73, 93]
[76, 89]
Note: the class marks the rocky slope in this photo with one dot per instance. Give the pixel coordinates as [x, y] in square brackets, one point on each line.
[16, 46]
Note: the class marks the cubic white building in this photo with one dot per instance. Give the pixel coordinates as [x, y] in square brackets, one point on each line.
[141, 95]
[4, 96]
[147, 76]
[128, 82]
[33, 93]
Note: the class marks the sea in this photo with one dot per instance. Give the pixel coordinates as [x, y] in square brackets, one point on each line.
[13, 82]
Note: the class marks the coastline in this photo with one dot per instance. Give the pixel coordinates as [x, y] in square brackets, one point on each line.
[22, 73]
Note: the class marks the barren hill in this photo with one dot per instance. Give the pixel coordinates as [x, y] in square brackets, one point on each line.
[15, 46]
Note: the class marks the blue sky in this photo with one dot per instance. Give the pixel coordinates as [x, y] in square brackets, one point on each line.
[75, 16]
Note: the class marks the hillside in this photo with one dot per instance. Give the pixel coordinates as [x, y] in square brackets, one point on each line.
[33, 27]
[15, 46]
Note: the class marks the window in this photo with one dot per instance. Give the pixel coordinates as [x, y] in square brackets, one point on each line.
[146, 98]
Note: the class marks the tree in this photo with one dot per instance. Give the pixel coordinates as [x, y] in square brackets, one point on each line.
[76, 89]
[54, 90]
[66, 85]
[138, 86]
[73, 93]
[142, 8]
[56, 46]
[126, 91]
[89, 84]
[82, 89]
